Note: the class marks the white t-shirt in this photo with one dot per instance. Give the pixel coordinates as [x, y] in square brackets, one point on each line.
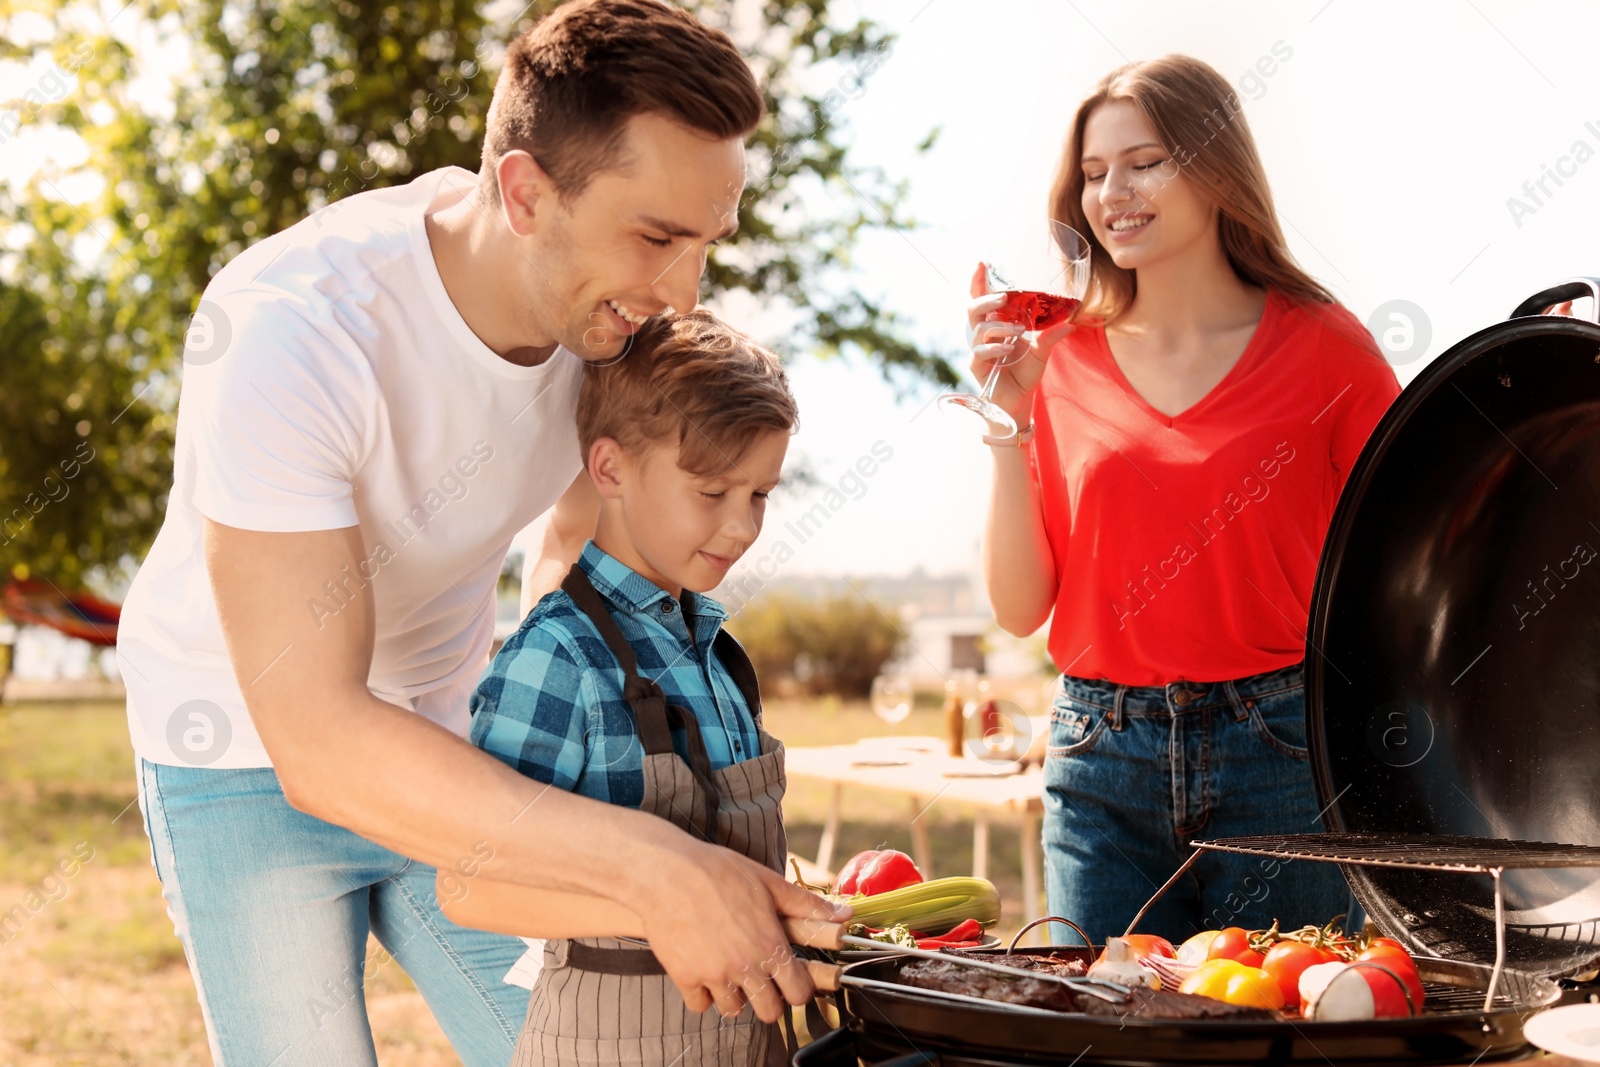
[330, 382]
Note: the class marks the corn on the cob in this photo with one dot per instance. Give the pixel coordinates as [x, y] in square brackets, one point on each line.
[931, 908]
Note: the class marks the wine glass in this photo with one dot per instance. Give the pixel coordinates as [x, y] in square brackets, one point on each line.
[891, 697]
[1036, 301]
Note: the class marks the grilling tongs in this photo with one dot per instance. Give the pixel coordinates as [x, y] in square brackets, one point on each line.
[832, 936]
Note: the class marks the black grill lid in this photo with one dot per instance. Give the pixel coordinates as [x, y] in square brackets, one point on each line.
[1453, 655]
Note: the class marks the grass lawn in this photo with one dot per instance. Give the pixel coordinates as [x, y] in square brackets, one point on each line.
[90, 972]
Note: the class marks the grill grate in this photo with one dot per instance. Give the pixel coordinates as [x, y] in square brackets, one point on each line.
[1448, 998]
[1424, 852]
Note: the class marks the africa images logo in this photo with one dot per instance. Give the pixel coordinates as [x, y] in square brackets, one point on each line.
[199, 732]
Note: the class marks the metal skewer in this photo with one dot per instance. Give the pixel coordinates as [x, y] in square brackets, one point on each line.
[874, 984]
[1113, 992]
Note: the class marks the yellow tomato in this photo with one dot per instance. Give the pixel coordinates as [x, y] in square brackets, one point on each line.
[1211, 979]
[1194, 950]
[1254, 988]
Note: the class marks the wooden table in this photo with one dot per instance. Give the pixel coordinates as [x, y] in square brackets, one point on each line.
[922, 769]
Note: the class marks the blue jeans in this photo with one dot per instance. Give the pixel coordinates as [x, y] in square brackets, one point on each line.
[273, 908]
[1133, 774]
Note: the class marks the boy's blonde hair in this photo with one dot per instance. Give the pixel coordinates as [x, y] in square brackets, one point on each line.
[692, 379]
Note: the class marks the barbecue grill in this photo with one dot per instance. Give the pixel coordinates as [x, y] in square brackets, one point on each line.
[1452, 683]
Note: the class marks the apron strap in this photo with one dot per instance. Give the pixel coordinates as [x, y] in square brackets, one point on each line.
[737, 663]
[635, 962]
[652, 715]
[644, 696]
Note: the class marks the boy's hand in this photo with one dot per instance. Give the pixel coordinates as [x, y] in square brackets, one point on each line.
[712, 919]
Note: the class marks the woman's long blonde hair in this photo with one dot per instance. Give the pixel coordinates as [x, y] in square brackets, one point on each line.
[1199, 120]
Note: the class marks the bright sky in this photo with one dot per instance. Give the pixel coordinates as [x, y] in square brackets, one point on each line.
[1393, 136]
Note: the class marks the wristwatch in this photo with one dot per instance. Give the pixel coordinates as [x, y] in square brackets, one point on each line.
[1020, 439]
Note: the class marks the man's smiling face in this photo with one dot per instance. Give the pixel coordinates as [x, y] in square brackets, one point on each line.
[633, 242]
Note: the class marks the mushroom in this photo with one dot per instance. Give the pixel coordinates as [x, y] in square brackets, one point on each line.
[1118, 964]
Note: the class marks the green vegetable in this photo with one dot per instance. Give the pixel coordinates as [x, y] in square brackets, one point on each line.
[899, 934]
[934, 907]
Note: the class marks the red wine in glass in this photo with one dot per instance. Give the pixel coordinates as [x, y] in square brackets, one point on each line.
[1036, 311]
[1034, 308]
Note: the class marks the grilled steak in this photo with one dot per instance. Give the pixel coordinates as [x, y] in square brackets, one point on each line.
[1060, 966]
[972, 982]
[1041, 993]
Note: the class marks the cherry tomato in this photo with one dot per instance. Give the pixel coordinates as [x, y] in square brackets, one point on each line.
[1234, 944]
[1400, 962]
[1287, 960]
[1150, 945]
[1388, 951]
[1254, 988]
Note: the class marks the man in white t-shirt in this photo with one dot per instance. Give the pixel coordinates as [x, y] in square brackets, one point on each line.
[374, 402]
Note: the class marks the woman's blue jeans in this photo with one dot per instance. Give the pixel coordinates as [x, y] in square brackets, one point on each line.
[1133, 774]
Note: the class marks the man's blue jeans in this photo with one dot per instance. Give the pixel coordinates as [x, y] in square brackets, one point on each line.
[273, 908]
[1133, 774]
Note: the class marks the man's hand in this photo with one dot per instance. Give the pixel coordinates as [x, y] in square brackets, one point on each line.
[713, 920]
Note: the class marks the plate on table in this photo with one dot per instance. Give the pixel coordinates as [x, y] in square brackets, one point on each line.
[1572, 1031]
[991, 770]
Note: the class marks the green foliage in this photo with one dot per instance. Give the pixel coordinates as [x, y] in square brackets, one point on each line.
[81, 471]
[836, 645]
[290, 106]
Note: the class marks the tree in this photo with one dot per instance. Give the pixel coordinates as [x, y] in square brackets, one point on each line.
[291, 106]
[833, 645]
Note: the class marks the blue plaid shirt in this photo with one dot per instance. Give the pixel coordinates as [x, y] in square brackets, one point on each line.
[551, 703]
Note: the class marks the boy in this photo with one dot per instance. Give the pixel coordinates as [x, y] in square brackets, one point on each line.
[623, 687]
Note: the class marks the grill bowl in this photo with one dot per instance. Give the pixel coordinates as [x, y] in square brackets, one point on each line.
[1454, 1030]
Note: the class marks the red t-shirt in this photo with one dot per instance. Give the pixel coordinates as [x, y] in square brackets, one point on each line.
[1185, 548]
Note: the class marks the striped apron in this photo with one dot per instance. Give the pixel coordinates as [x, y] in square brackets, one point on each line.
[600, 1000]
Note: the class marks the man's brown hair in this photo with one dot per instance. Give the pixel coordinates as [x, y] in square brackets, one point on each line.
[690, 379]
[571, 83]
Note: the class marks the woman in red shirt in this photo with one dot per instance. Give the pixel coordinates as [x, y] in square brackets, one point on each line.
[1184, 444]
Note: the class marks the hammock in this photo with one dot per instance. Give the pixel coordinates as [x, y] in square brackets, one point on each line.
[80, 615]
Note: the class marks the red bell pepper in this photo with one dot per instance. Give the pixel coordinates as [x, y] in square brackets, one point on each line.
[850, 874]
[967, 935]
[885, 871]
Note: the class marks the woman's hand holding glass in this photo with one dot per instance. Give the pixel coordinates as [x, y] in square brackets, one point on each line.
[995, 341]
